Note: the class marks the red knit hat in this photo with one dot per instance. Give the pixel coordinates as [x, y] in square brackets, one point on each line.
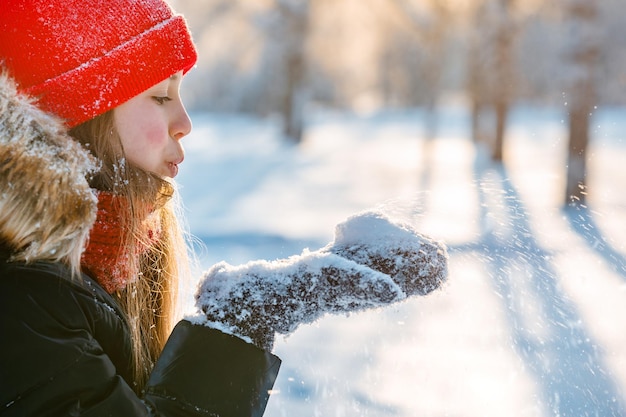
[81, 58]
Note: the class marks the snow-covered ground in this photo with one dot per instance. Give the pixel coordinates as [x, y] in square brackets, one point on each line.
[531, 322]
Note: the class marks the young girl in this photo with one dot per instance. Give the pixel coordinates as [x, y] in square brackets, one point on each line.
[81, 335]
[91, 249]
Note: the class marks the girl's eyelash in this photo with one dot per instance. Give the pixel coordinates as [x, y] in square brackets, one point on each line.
[161, 99]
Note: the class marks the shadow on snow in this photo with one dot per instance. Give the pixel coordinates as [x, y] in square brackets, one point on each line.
[547, 332]
[582, 221]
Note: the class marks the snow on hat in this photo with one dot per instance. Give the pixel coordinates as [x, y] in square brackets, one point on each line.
[81, 58]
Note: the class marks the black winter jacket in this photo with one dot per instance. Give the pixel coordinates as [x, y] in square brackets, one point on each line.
[64, 351]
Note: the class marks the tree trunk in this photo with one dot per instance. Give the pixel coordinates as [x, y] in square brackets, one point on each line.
[504, 76]
[575, 190]
[502, 111]
[295, 17]
[491, 81]
[583, 55]
[293, 105]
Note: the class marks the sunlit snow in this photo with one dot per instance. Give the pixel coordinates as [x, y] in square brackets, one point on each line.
[531, 321]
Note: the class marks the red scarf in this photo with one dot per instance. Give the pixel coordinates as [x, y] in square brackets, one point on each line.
[104, 258]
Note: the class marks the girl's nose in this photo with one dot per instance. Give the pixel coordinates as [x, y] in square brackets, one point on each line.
[181, 123]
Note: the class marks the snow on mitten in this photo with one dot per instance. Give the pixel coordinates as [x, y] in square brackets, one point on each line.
[256, 300]
[417, 263]
[260, 298]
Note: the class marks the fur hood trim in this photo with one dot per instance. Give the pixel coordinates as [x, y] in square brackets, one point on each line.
[46, 205]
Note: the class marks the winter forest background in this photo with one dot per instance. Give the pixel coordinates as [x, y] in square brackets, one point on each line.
[497, 126]
[286, 57]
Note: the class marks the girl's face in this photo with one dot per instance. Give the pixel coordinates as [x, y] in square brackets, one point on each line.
[151, 126]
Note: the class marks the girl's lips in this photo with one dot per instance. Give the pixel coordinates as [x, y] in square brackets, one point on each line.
[173, 169]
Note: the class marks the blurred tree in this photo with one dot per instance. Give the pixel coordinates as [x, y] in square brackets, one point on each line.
[229, 47]
[582, 53]
[294, 28]
[253, 57]
[273, 56]
[427, 60]
[413, 62]
[491, 72]
[540, 57]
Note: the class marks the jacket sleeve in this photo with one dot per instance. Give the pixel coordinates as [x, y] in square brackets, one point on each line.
[55, 362]
[203, 371]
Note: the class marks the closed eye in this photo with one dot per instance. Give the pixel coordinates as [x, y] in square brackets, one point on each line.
[161, 99]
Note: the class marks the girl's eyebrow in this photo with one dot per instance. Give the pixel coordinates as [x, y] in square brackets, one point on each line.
[174, 77]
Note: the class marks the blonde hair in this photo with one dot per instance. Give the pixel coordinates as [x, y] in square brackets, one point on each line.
[46, 205]
[149, 299]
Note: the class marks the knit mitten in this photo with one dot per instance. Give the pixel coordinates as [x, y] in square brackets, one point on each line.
[415, 262]
[372, 262]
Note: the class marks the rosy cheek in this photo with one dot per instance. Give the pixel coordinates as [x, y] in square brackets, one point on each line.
[154, 136]
[142, 143]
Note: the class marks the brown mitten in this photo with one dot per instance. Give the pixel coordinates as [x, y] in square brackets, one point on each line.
[372, 262]
[415, 262]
